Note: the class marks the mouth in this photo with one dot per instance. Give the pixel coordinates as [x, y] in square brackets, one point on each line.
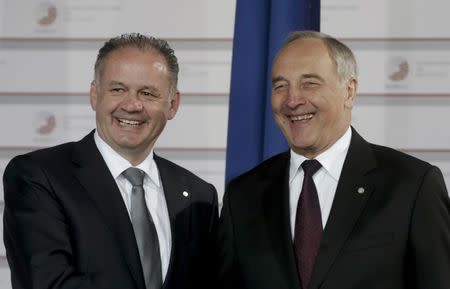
[128, 122]
[301, 117]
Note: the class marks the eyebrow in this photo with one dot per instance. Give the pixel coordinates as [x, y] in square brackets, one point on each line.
[303, 76]
[149, 87]
[278, 78]
[312, 75]
[113, 82]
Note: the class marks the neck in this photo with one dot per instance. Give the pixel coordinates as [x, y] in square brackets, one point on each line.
[133, 156]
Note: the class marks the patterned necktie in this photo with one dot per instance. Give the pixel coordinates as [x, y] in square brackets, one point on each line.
[308, 224]
[144, 231]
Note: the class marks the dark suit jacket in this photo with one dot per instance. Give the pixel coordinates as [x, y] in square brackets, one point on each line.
[66, 226]
[395, 235]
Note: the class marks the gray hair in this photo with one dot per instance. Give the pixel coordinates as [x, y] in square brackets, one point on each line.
[340, 54]
[141, 42]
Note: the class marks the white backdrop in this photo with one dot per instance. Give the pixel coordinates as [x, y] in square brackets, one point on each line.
[48, 47]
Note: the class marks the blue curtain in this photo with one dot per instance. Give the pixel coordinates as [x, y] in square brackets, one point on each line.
[261, 26]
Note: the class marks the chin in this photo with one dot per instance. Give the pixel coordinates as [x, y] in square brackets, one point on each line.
[301, 141]
[302, 145]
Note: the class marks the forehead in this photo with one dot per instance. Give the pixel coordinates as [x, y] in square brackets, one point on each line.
[134, 65]
[134, 55]
[309, 51]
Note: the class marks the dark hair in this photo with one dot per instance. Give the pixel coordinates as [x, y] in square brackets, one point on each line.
[143, 43]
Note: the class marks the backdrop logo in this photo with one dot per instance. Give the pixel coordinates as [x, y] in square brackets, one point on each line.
[46, 13]
[45, 123]
[397, 68]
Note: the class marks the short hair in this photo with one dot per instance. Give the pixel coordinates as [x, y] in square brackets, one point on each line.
[341, 55]
[143, 43]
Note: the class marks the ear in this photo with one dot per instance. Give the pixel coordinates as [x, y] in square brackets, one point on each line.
[174, 104]
[351, 87]
[93, 95]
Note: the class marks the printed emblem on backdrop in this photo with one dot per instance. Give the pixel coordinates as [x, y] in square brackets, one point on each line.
[46, 13]
[45, 123]
[398, 68]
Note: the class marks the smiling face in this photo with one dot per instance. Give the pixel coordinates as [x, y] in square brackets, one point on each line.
[133, 100]
[310, 103]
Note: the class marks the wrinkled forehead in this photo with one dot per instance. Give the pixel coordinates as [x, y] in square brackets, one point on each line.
[305, 47]
[303, 52]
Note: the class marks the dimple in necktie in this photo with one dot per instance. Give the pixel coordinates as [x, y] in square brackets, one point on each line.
[144, 231]
[308, 224]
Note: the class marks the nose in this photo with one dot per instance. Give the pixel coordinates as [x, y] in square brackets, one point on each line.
[132, 103]
[295, 97]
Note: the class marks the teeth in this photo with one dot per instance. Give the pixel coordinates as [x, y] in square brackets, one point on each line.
[129, 122]
[302, 117]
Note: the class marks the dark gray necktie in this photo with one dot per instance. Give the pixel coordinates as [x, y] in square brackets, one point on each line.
[144, 230]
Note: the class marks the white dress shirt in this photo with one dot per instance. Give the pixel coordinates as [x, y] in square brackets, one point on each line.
[154, 194]
[326, 178]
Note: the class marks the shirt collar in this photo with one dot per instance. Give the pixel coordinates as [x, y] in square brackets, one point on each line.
[117, 164]
[331, 160]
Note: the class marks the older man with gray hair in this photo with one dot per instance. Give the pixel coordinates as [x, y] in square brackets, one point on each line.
[334, 211]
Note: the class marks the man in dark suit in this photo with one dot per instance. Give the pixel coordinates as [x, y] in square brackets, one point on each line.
[334, 212]
[106, 212]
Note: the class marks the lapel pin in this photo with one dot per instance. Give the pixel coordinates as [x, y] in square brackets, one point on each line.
[361, 190]
[185, 194]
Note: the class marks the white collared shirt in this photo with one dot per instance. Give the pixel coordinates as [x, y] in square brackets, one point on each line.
[326, 178]
[154, 194]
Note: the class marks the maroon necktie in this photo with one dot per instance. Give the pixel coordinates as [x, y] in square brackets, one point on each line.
[308, 224]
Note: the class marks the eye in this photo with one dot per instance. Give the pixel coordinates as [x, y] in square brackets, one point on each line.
[117, 89]
[147, 93]
[150, 94]
[310, 84]
[279, 86]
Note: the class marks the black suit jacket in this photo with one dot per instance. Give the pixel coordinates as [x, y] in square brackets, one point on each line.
[66, 226]
[394, 235]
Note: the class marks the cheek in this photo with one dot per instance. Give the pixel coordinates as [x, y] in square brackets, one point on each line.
[277, 103]
[157, 110]
[108, 105]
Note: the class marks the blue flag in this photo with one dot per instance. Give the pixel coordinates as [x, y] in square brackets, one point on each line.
[261, 26]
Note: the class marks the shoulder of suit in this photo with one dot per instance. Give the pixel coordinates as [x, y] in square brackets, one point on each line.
[34, 165]
[49, 155]
[275, 165]
[396, 159]
[178, 170]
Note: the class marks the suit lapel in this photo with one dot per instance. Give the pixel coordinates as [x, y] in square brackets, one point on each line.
[95, 177]
[178, 199]
[275, 188]
[353, 191]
